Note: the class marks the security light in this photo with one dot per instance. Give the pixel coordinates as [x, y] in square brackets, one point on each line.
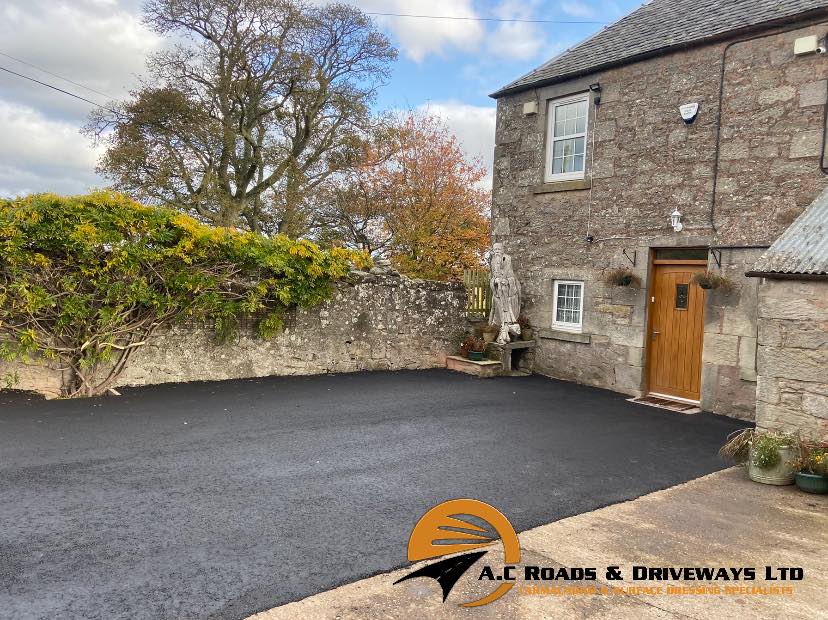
[595, 89]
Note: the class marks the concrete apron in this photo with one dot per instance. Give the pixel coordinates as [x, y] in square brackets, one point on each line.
[720, 520]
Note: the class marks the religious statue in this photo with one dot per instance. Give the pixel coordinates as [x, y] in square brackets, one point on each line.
[505, 295]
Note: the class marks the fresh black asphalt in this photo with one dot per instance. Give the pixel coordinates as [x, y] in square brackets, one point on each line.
[223, 499]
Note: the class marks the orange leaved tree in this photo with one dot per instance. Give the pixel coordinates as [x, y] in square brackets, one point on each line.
[416, 200]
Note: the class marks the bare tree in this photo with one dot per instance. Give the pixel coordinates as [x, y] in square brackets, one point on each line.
[255, 106]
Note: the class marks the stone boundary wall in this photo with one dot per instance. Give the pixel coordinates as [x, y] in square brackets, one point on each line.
[792, 393]
[374, 321]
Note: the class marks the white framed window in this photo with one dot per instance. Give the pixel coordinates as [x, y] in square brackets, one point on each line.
[568, 305]
[566, 138]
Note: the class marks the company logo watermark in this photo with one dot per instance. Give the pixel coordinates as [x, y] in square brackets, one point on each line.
[457, 531]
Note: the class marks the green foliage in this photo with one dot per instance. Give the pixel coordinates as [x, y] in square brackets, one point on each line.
[88, 279]
[10, 379]
[761, 447]
[765, 449]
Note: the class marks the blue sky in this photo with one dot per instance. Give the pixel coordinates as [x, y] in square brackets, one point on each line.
[465, 61]
[446, 66]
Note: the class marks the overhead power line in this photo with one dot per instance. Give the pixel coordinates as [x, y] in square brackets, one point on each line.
[60, 77]
[409, 15]
[487, 19]
[60, 90]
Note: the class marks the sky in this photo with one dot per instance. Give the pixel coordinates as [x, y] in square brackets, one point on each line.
[445, 66]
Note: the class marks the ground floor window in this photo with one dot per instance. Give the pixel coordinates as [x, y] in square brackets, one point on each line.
[568, 304]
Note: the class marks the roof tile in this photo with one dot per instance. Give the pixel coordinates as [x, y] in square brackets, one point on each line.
[656, 25]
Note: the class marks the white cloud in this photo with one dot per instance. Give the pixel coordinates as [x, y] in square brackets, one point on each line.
[516, 40]
[102, 44]
[98, 43]
[575, 8]
[474, 127]
[40, 154]
[419, 37]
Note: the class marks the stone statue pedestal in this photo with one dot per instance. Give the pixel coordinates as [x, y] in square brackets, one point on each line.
[484, 369]
[511, 355]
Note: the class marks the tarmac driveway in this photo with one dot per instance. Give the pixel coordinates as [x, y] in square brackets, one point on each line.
[223, 499]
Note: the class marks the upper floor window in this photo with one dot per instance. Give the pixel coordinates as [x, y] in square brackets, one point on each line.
[566, 138]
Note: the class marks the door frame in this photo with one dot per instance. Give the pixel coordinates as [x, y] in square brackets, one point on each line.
[653, 261]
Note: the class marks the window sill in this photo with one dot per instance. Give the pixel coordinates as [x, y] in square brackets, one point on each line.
[562, 186]
[559, 334]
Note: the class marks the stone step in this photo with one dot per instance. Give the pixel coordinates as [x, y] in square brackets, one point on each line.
[486, 368]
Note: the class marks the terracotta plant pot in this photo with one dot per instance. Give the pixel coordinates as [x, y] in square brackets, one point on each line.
[489, 336]
[476, 356]
[812, 483]
[780, 474]
[527, 334]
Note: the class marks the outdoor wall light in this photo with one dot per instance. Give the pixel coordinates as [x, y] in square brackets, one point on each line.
[596, 92]
[675, 221]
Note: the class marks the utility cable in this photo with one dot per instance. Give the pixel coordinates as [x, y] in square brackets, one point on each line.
[487, 19]
[60, 90]
[60, 77]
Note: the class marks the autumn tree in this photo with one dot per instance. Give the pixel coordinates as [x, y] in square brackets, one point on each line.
[416, 199]
[256, 104]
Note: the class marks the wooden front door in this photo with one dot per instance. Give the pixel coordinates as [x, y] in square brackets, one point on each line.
[676, 331]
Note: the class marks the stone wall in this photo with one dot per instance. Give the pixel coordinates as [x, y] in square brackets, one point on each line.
[729, 354]
[792, 392]
[647, 162]
[377, 321]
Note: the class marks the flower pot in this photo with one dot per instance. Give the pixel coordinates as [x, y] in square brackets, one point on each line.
[489, 336]
[527, 333]
[781, 474]
[476, 356]
[812, 483]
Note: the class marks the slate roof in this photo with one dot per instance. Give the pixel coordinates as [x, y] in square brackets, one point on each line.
[803, 247]
[658, 26]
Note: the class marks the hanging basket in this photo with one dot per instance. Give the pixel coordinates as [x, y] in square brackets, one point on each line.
[709, 280]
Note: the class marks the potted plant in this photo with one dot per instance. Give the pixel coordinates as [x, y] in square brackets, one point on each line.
[490, 332]
[709, 280]
[812, 469]
[473, 348]
[526, 331]
[621, 276]
[768, 454]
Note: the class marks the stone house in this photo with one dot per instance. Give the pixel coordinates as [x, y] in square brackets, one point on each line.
[688, 136]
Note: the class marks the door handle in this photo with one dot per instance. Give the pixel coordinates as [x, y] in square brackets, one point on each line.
[655, 333]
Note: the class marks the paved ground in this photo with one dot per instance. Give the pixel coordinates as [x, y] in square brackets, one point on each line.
[721, 520]
[224, 499]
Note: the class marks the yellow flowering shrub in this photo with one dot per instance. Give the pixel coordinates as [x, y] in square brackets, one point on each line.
[89, 279]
